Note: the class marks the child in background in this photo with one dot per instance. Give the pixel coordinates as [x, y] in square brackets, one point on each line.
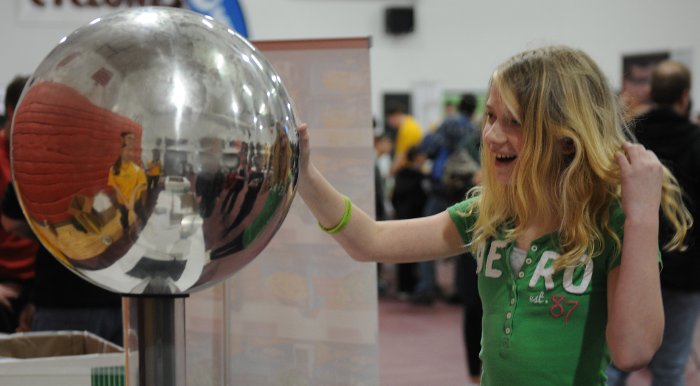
[408, 199]
[563, 292]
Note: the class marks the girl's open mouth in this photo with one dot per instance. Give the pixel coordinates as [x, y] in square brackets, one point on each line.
[503, 159]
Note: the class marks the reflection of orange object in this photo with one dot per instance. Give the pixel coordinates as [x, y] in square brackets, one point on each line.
[63, 145]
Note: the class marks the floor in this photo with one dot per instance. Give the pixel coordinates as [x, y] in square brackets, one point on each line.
[422, 345]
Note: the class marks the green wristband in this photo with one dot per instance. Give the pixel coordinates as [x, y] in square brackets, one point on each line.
[343, 221]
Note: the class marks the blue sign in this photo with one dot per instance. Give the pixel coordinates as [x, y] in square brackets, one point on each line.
[225, 11]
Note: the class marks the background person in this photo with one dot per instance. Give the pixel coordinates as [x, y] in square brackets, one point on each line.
[668, 132]
[17, 253]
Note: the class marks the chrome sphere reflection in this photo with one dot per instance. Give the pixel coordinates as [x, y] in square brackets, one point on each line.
[155, 151]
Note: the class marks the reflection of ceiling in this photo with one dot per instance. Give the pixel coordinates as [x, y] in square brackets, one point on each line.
[126, 55]
[177, 78]
[102, 76]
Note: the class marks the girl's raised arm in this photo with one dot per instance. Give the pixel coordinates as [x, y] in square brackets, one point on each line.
[635, 311]
[364, 238]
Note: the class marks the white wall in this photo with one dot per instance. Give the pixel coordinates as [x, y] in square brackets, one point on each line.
[456, 43]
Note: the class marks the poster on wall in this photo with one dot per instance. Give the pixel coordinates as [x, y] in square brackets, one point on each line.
[70, 12]
[635, 93]
[228, 12]
[637, 69]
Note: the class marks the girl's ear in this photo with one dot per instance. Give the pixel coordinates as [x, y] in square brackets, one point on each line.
[567, 146]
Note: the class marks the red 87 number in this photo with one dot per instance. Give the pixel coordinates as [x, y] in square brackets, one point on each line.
[562, 307]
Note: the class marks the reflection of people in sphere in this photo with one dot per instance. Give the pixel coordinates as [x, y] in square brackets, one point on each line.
[153, 170]
[129, 181]
[281, 156]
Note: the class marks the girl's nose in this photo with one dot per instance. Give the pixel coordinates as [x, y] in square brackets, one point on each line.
[493, 134]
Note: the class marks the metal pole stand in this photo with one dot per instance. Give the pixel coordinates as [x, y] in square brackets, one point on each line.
[155, 340]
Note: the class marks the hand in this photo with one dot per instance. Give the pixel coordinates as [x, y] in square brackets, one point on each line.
[7, 293]
[641, 176]
[25, 319]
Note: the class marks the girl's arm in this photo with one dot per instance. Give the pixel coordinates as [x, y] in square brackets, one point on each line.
[635, 311]
[366, 239]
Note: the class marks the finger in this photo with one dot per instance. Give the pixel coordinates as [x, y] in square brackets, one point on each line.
[622, 160]
[303, 129]
[653, 156]
[5, 303]
[633, 150]
[640, 156]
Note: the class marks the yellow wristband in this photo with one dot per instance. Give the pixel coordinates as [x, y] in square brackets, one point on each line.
[343, 221]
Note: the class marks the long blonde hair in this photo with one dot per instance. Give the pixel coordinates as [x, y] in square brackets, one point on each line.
[562, 99]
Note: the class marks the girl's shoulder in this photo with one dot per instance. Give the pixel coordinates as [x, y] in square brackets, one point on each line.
[465, 207]
[464, 213]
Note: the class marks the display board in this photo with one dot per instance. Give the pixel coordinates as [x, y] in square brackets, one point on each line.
[303, 312]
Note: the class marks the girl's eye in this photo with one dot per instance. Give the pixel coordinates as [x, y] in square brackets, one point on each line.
[514, 122]
[490, 117]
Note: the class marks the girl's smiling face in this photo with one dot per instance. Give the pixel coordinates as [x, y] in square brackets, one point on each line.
[503, 136]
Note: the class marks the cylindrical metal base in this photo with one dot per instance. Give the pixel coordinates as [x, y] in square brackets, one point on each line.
[156, 334]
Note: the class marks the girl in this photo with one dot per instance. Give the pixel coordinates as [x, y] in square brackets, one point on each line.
[563, 291]
[129, 182]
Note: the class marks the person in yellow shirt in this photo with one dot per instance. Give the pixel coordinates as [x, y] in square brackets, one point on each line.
[153, 170]
[129, 181]
[409, 133]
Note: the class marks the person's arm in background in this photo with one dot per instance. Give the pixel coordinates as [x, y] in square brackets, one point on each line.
[366, 239]
[8, 292]
[398, 163]
[18, 226]
[400, 149]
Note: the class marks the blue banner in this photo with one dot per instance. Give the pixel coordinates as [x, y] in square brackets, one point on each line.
[225, 11]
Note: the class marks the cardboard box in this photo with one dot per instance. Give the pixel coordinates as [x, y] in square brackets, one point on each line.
[80, 203]
[70, 358]
[92, 218]
[105, 216]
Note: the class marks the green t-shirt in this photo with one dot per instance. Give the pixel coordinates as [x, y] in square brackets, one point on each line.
[542, 328]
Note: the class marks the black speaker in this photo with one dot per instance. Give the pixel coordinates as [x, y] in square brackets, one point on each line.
[399, 20]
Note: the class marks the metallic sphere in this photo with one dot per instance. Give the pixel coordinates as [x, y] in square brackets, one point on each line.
[155, 151]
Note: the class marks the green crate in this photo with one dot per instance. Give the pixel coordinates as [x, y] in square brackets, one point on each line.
[107, 376]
